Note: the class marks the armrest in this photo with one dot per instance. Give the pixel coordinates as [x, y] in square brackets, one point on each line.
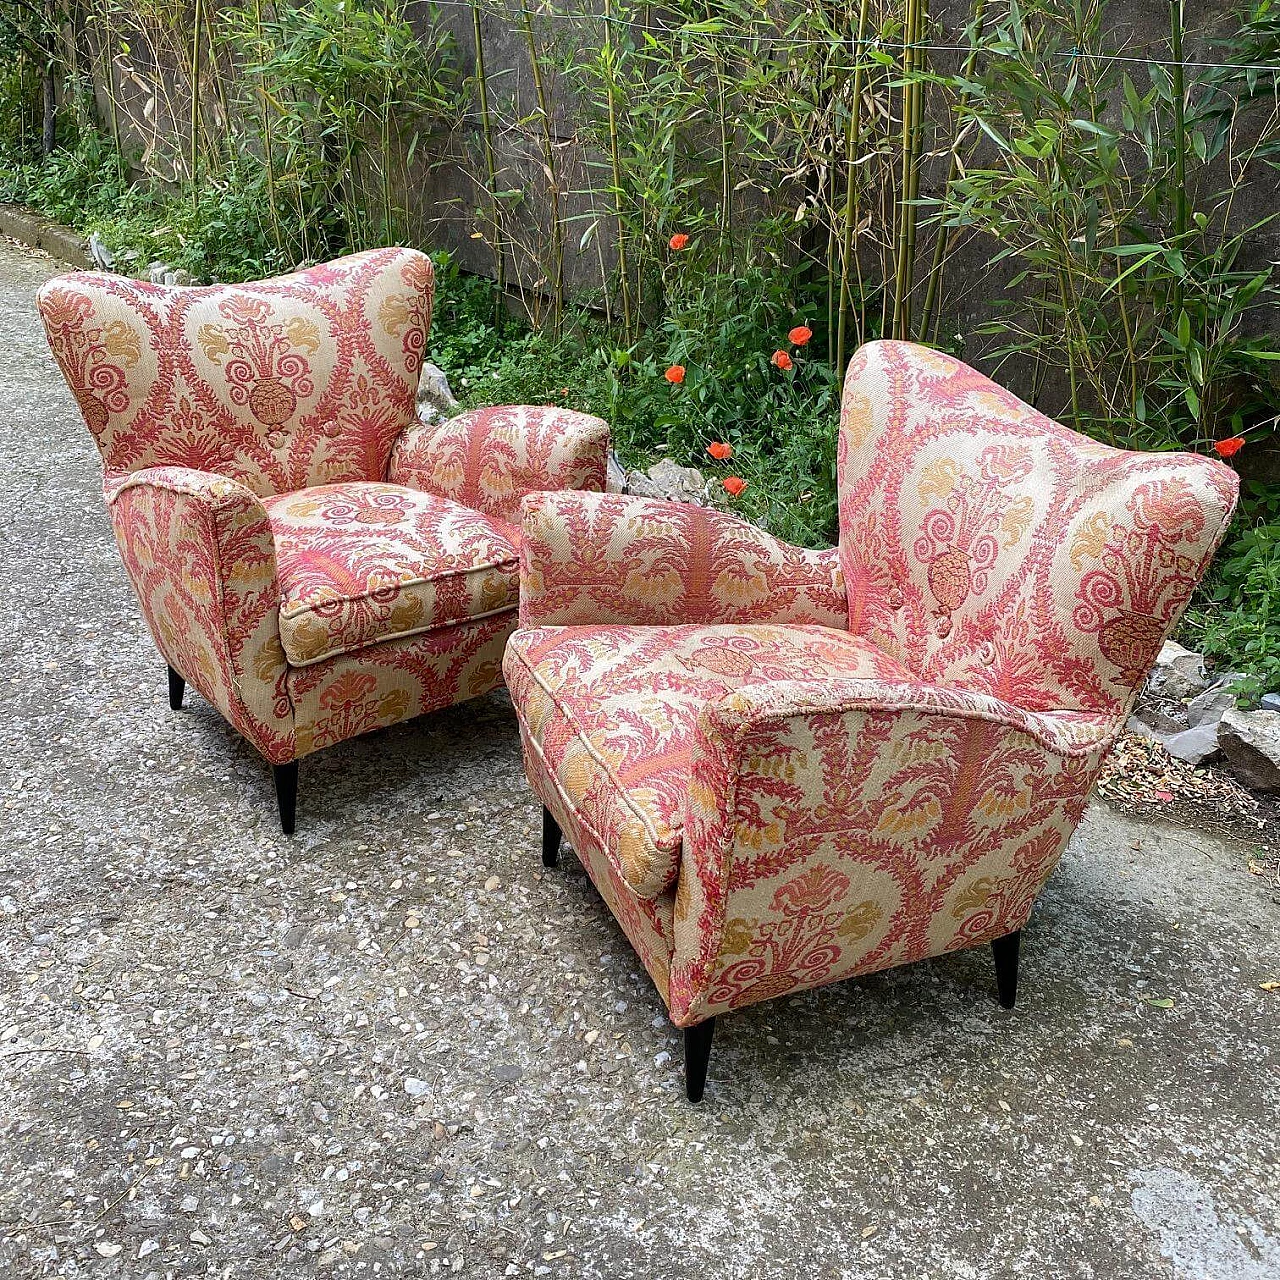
[613, 559]
[489, 459]
[199, 552]
[839, 827]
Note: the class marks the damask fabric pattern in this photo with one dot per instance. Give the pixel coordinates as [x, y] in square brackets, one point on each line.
[246, 434]
[303, 380]
[489, 459]
[840, 830]
[612, 711]
[360, 564]
[1014, 581]
[986, 546]
[605, 558]
[217, 619]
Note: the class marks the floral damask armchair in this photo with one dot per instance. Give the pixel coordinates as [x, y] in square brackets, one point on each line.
[783, 768]
[307, 554]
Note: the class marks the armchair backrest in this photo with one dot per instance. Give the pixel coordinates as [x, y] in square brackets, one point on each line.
[992, 549]
[306, 379]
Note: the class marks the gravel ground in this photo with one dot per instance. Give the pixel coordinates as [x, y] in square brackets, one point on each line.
[393, 1045]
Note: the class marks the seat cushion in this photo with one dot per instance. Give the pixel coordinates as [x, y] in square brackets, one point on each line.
[608, 715]
[362, 563]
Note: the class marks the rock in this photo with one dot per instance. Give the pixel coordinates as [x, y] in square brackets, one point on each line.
[156, 271]
[681, 484]
[1159, 717]
[1269, 702]
[667, 479]
[641, 486]
[435, 399]
[414, 1087]
[1251, 742]
[1195, 745]
[102, 257]
[1210, 706]
[615, 476]
[1179, 673]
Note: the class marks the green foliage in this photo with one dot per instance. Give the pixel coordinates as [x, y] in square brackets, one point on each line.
[1236, 620]
[786, 143]
[1113, 189]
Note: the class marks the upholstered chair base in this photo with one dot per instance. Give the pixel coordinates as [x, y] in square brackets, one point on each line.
[551, 838]
[697, 1054]
[1005, 951]
[286, 780]
[177, 687]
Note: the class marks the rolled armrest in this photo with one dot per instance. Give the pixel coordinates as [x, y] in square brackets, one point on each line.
[489, 459]
[839, 827]
[613, 559]
[199, 552]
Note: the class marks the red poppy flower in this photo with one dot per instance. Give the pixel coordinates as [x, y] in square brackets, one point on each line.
[1228, 448]
[800, 335]
[734, 485]
[782, 360]
[675, 374]
[720, 451]
[678, 241]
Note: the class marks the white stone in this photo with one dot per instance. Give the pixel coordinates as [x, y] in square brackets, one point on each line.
[1251, 741]
[1195, 745]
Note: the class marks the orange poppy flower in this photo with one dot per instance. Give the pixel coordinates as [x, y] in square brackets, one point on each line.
[782, 360]
[675, 374]
[800, 335]
[734, 485]
[1228, 448]
[678, 241]
[720, 451]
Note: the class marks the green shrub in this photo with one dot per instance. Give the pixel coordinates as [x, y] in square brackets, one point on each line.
[1236, 618]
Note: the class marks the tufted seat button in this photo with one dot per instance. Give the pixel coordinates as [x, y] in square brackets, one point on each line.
[943, 629]
[986, 653]
[895, 599]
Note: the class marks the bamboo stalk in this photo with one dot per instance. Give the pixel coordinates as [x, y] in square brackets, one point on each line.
[1181, 213]
[853, 136]
[909, 179]
[553, 186]
[937, 267]
[197, 23]
[267, 151]
[490, 164]
[615, 165]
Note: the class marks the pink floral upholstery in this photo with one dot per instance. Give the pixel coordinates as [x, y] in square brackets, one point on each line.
[490, 459]
[608, 558]
[610, 713]
[767, 805]
[360, 564]
[988, 547]
[307, 379]
[297, 546]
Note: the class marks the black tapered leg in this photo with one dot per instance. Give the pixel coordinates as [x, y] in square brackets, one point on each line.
[1005, 951]
[177, 687]
[286, 776]
[550, 839]
[697, 1053]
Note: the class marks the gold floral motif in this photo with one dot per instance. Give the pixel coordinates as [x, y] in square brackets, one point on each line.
[1090, 540]
[860, 921]
[975, 895]
[939, 478]
[122, 343]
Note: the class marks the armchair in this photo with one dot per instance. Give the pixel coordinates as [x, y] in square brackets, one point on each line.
[312, 558]
[785, 768]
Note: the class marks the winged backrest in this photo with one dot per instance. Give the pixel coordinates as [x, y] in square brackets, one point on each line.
[989, 548]
[302, 380]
